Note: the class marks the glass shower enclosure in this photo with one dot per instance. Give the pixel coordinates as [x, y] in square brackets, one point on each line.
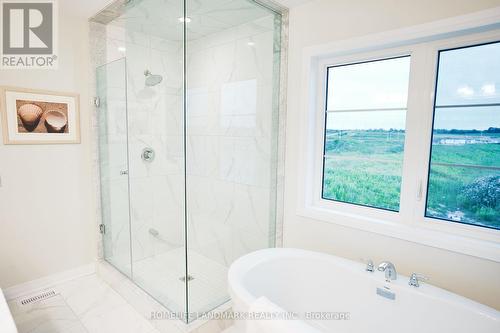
[188, 142]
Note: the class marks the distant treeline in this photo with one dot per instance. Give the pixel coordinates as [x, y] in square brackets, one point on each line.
[438, 131]
[459, 131]
[393, 130]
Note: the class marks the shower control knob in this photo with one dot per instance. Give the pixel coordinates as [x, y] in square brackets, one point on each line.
[123, 172]
[148, 154]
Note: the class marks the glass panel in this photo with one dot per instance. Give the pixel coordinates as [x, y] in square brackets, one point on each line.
[469, 75]
[150, 36]
[231, 120]
[111, 89]
[364, 146]
[469, 119]
[224, 139]
[464, 194]
[154, 43]
[464, 175]
[364, 157]
[363, 182]
[369, 85]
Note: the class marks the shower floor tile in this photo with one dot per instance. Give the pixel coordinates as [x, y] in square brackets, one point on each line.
[161, 275]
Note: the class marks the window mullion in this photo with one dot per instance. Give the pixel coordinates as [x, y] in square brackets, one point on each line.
[418, 121]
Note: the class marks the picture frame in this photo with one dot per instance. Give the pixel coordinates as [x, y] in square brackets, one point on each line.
[32, 116]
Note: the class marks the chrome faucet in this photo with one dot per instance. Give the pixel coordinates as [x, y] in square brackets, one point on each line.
[389, 269]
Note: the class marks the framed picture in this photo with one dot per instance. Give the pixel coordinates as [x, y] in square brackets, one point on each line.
[39, 117]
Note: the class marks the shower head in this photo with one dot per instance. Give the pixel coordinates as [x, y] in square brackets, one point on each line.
[152, 79]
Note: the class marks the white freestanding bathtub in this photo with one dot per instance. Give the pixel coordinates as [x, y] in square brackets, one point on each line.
[314, 284]
[7, 324]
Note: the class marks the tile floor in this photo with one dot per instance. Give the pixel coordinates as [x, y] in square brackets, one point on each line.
[160, 276]
[83, 305]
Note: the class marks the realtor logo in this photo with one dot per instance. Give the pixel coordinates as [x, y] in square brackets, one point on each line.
[28, 34]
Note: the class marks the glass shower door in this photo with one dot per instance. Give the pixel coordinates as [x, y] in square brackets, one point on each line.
[232, 89]
[188, 133]
[152, 40]
[113, 153]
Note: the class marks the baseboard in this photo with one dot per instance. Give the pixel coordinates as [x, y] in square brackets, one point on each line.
[48, 281]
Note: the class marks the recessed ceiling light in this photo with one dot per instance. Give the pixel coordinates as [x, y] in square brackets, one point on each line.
[184, 19]
[122, 49]
[251, 43]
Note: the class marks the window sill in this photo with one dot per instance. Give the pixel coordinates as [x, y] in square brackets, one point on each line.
[429, 235]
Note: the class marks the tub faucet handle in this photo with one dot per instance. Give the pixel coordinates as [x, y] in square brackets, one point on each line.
[415, 278]
[369, 265]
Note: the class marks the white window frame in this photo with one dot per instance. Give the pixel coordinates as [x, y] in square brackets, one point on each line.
[422, 44]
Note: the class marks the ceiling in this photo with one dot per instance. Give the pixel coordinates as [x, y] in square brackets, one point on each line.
[88, 8]
[161, 17]
[291, 3]
[83, 8]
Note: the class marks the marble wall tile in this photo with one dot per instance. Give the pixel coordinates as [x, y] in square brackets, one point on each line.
[253, 58]
[222, 213]
[226, 111]
[154, 119]
[168, 155]
[231, 146]
[115, 49]
[281, 57]
[168, 212]
[136, 37]
[166, 46]
[142, 240]
[245, 30]
[115, 32]
[245, 160]
[235, 60]
[203, 155]
[167, 116]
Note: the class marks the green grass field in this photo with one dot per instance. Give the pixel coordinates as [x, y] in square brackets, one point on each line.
[364, 167]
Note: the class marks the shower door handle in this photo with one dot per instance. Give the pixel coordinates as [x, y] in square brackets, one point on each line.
[123, 172]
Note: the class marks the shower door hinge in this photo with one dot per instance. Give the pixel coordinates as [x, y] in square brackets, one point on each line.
[102, 228]
[96, 102]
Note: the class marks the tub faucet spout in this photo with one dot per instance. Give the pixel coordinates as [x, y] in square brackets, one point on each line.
[389, 269]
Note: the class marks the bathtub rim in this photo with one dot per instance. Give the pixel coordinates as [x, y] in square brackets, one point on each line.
[246, 263]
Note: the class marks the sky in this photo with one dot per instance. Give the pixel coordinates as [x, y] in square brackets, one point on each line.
[466, 76]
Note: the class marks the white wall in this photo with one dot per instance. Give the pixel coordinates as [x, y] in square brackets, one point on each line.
[46, 212]
[324, 21]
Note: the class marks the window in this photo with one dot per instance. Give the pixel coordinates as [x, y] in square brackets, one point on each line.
[464, 172]
[365, 132]
[400, 135]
